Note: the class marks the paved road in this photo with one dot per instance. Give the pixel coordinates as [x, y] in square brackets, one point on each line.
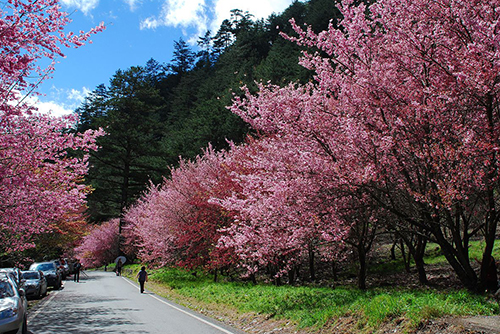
[105, 303]
[482, 324]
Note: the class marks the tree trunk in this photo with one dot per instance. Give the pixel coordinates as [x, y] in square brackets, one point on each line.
[362, 267]
[420, 265]
[291, 276]
[463, 269]
[312, 271]
[124, 201]
[489, 238]
[393, 249]
[491, 219]
[334, 271]
[417, 252]
[406, 259]
[418, 257]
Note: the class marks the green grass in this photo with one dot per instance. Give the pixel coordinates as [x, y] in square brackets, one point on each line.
[316, 306]
[434, 256]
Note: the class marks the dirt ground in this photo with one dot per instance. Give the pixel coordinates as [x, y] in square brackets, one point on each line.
[257, 324]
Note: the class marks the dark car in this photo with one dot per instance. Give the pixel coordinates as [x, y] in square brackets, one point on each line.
[63, 268]
[13, 307]
[35, 283]
[50, 271]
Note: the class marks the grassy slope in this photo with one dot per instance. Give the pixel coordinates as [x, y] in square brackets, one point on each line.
[315, 307]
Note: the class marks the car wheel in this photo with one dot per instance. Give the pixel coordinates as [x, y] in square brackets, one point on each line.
[39, 293]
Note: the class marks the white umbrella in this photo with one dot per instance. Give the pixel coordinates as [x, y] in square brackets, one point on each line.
[122, 258]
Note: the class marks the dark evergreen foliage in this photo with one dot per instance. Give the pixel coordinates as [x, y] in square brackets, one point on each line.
[156, 113]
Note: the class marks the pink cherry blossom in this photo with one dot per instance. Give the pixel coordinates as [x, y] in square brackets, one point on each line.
[100, 246]
[41, 179]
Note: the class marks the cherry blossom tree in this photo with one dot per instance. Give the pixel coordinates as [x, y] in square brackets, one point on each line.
[147, 227]
[100, 246]
[405, 107]
[40, 175]
[174, 223]
[254, 206]
[283, 214]
[40, 181]
[31, 35]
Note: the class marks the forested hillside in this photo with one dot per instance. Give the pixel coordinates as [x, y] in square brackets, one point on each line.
[391, 137]
[168, 108]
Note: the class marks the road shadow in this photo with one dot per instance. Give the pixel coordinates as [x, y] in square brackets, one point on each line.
[87, 315]
[74, 312]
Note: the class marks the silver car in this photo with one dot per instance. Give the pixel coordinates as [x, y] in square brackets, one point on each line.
[13, 307]
[15, 273]
[35, 283]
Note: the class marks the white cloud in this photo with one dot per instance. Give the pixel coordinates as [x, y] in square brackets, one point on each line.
[258, 8]
[132, 4]
[78, 95]
[203, 15]
[52, 108]
[150, 23]
[61, 102]
[86, 6]
[179, 13]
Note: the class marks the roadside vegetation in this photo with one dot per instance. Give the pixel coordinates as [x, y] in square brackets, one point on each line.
[361, 194]
[315, 306]
[374, 146]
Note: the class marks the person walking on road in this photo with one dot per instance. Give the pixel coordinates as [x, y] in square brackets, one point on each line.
[118, 268]
[76, 275]
[142, 276]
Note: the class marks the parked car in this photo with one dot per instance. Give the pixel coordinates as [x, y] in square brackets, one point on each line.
[71, 266]
[62, 268]
[50, 271]
[66, 268]
[35, 283]
[13, 307]
[16, 274]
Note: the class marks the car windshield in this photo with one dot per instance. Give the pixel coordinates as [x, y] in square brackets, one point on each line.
[31, 275]
[45, 266]
[6, 290]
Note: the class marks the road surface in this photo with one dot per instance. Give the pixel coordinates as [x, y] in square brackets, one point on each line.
[104, 303]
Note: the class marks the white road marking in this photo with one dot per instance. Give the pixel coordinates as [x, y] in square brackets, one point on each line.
[181, 310]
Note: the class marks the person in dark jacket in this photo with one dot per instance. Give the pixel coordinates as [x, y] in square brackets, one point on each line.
[142, 276]
[78, 267]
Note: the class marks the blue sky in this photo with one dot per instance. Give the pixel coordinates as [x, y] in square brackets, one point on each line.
[136, 31]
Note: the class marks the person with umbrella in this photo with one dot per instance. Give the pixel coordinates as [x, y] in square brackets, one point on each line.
[120, 261]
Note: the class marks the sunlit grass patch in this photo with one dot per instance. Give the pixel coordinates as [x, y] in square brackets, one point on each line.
[317, 306]
[476, 248]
